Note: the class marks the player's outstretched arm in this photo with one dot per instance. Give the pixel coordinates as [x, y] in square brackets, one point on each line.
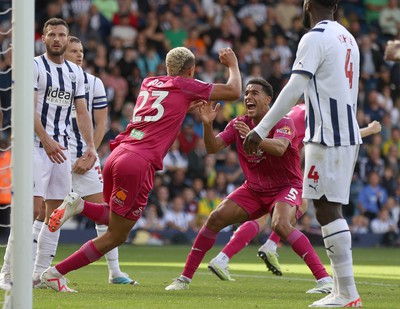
[207, 114]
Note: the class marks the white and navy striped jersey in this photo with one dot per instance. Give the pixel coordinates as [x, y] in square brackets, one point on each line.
[57, 85]
[95, 95]
[329, 54]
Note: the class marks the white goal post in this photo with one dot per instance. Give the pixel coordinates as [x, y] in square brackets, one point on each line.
[22, 151]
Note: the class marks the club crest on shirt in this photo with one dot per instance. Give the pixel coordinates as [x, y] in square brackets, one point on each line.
[72, 77]
[87, 88]
[284, 130]
[120, 197]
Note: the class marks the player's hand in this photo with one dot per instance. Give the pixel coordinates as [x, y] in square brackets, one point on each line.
[227, 57]
[242, 128]
[86, 162]
[208, 113]
[196, 104]
[54, 150]
[392, 51]
[251, 143]
[375, 127]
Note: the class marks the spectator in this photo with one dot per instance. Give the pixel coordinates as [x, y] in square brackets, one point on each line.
[383, 224]
[190, 200]
[372, 163]
[196, 158]
[187, 137]
[372, 197]
[162, 199]
[255, 9]
[178, 182]
[373, 109]
[177, 35]
[178, 222]
[286, 11]
[175, 160]
[232, 169]
[394, 140]
[389, 19]
[206, 206]
[359, 224]
[126, 114]
[392, 160]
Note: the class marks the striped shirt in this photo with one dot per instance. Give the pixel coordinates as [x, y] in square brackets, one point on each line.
[95, 95]
[329, 55]
[56, 85]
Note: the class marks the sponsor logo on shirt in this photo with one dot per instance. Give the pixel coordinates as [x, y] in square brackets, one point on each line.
[284, 130]
[120, 197]
[136, 134]
[58, 97]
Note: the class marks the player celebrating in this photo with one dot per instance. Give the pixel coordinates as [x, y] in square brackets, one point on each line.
[273, 184]
[137, 153]
[89, 184]
[326, 69]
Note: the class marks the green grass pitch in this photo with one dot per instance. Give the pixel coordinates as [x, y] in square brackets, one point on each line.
[377, 272]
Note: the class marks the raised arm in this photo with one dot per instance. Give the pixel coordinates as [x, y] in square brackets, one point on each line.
[232, 90]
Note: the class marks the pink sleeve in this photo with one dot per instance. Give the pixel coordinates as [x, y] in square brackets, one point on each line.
[195, 88]
[284, 129]
[228, 135]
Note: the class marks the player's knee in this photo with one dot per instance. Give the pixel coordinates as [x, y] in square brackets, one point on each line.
[281, 226]
[215, 220]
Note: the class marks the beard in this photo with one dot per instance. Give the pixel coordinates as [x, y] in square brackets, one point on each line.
[55, 53]
[306, 20]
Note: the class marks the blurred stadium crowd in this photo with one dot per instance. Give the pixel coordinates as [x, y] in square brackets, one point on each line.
[127, 40]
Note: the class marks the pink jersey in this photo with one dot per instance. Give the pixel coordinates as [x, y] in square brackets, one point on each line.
[264, 171]
[298, 113]
[160, 109]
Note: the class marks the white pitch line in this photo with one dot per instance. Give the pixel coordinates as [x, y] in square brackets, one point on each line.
[287, 278]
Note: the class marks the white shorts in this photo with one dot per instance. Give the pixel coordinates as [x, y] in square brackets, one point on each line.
[89, 183]
[51, 181]
[328, 171]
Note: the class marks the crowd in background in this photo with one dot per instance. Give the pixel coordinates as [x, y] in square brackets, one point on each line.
[127, 40]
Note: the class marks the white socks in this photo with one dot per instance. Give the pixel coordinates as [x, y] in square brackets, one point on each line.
[6, 268]
[222, 259]
[36, 228]
[271, 245]
[47, 247]
[337, 239]
[111, 256]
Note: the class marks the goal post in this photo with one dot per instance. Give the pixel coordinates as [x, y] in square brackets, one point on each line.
[22, 151]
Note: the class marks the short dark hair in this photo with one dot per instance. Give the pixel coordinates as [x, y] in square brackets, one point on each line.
[266, 86]
[330, 4]
[55, 22]
[74, 39]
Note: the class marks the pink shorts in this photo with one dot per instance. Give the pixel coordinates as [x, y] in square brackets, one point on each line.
[128, 179]
[257, 204]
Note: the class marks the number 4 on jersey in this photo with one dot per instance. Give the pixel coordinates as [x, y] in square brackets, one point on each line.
[348, 68]
[313, 174]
